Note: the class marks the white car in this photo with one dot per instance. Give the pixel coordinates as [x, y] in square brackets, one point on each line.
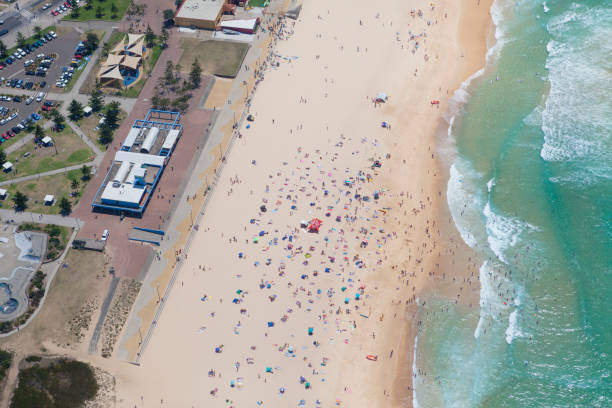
[28, 63]
[53, 34]
[40, 96]
[105, 235]
[29, 100]
[40, 56]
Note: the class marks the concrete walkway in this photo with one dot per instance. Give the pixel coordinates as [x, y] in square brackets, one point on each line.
[25, 217]
[15, 180]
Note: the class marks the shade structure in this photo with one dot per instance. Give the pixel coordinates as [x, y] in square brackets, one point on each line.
[133, 39]
[137, 47]
[113, 60]
[130, 62]
[118, 48]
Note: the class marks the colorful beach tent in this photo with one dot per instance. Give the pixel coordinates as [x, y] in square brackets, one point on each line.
[314, 225]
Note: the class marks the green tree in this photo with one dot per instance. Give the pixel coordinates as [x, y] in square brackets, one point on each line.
[58, 119]
[99, 12]
[164, 37]
[195, 76]
[39, 133]
[21, 40]
[91, 42]
[149, 37]
[112, 115]
[95, 98]
[37, 31]
[76, 110]
[178, 3]
[85, 173]
[113, 10]
[106, 134]
[168, 14]
[75, 184]
[65, 206]
[20, 200]
[75, 12]
[3, 50]
[169, 74]
[88, 4]
[2, 157]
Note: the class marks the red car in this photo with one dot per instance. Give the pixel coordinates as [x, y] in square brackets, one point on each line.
[67, 4]
[46, 108]
[10, 133]
[54, 12]
[1, 66]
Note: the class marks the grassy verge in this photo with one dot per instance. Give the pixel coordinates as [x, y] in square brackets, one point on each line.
[30, 40]
[104, 6]
[68, 150]
[60, 383]
[59, 185]
[258, 3]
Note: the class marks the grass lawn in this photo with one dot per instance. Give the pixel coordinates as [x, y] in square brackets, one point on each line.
[71, 150]
[59, 185]
[222, 58]
[87, 125]
[258, 3]
[105, 8]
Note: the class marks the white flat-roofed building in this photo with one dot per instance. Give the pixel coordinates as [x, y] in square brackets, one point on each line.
[200, 13]
[49, 199]
[3, 194]
[130, 139]
[125, 195]
[170, 142]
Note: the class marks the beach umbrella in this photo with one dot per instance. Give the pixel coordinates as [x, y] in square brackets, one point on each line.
[263, 208]
[346, 300]
[262, 233]
[357, 296]
[307, 386]
[310, 331]
[270, 324]
[268, 369]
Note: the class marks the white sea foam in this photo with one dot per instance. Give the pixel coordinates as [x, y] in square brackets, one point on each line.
[513, 330]
[464, 200]
[576, 118]
[503, 232]
[545, 7]
[415, 401]
[490, 184]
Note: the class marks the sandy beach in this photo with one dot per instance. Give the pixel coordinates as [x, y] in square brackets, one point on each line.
[268, 313]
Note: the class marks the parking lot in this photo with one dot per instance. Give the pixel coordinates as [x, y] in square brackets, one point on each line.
[62, 47]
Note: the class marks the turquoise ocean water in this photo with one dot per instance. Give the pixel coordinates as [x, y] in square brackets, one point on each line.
[531, 192]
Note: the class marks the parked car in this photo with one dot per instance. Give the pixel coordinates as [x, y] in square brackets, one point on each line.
[17, 99]
[35, 116]
[105, 235]
[42, 84]
[29, 100]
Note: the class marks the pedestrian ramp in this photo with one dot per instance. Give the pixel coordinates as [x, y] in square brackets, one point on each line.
[150, 236]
